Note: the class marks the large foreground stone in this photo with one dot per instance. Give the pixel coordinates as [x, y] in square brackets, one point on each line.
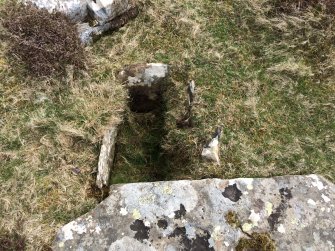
[296, 211]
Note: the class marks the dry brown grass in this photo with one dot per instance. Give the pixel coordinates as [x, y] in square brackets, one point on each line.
[44, 43]
[266, 79]
[49, 130]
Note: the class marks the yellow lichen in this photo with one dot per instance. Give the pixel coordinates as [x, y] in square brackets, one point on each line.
[136, 214]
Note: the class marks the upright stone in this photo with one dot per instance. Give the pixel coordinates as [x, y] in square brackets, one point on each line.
[284, 213]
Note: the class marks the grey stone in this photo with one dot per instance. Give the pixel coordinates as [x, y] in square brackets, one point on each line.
[212, 150]
[88, 33]
[297, 211]
[106, 157]
[76, 10]
[104, 11]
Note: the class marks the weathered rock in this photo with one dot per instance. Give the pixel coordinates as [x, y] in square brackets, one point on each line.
[76, 10]
[88, 33]
[297, 212]
[186, 119]
[106, 157]
[145, 82]
[104, 11]
[212, 150]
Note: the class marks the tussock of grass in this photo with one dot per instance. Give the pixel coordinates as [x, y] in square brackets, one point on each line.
[44, 43]
[266, 78]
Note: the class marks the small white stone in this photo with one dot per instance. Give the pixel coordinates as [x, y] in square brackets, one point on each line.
[281, 229]
[325, 198]
[311, 202]
[226, 244]
[323, 209]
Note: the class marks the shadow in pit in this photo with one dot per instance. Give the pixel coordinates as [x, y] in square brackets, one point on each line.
[139, 156]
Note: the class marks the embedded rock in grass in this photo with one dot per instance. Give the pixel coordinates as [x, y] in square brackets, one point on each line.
[288, 213]
[106, 157]
[104, 11]
[146, 83]
[212, 150]
[76, 10]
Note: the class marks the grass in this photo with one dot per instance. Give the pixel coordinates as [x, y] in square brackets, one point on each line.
[266, 78]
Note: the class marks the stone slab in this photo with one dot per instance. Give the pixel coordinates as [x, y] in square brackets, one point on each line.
[298, 212]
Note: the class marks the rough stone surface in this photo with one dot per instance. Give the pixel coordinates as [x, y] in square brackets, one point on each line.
[146, 83]
[211, 150]
[74, 9]
[106, 157]
[105, 10]
[297, 211]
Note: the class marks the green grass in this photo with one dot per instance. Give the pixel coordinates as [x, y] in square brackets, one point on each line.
[266, 79]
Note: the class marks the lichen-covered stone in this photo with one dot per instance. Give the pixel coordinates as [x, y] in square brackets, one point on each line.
[291, 213]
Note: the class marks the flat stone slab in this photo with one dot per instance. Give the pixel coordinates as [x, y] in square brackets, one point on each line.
[297, 212]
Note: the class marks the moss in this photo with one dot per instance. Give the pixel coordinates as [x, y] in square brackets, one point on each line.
[257, 241]
[232, 219]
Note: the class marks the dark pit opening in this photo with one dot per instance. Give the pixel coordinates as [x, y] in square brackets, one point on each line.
[144, 100]
[139, 155]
